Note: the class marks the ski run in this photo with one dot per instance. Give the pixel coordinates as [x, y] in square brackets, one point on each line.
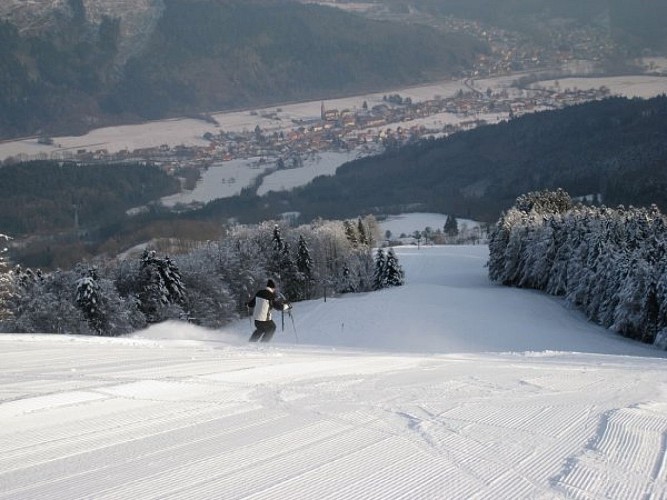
[449, 387]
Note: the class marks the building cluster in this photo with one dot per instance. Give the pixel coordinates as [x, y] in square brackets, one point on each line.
[395, 122]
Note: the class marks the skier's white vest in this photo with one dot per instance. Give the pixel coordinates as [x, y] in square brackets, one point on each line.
[262, 310]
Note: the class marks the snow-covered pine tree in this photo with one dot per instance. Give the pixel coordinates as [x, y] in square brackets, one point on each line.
[290, 282]
[274, 259]
[364, 237]
[546, 201]
[277, 240]
[7, 284]
[46, 305]
[303, 261]
[173, 281]
[351, 233]
[209, 302]
[393, 270]
[89, 301]
[380, 275]
[160, 289]
[451, 227]
[304, 265]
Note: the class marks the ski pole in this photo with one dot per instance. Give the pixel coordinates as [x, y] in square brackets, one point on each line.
[293, 325]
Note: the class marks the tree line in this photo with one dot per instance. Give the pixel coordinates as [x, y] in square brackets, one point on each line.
[608, 262]
[209, 285]
[40, 197]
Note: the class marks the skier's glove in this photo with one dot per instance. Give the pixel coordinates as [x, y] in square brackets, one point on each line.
[287, 307]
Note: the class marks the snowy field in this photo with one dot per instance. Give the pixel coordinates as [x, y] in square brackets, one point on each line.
[418, 221]
[226, 179]
[626, 86]
[449, 387]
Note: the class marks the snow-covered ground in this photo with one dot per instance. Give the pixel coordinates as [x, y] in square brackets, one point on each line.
[225, 179]
[418, 221]
[449, 387]
[627, 86]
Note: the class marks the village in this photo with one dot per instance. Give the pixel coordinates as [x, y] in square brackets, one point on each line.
[395, 122]
[278, 140]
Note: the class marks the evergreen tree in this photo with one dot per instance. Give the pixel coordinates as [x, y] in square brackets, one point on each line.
[351, 233]
[277, 240]
[393, 270]
[160, 289]
[380, 275]
[106, 311]
[276, 256]
[364, 237]
[173, 281]
[451, 227]
[6, 281]
[209, 301]
[46, 305]
[304, 262]
[289, 275]
[304, 265]
[88, 299]
[546, 201]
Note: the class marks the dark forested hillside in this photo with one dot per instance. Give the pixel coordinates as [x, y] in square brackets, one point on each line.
[616, 148]
[635, 25]
[43, 196]
[212, 55]
[52, 83]
[208, 55]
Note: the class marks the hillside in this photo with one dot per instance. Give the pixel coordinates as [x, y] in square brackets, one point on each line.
[198, 56]
[614, 148]
[446, 387]
[634, 26]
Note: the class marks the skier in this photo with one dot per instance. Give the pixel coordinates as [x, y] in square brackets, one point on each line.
[262, 303]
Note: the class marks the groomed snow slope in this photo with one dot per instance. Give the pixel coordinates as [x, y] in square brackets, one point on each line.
[448, 387]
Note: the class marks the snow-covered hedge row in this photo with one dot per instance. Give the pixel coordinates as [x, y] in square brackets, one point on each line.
[610, 263]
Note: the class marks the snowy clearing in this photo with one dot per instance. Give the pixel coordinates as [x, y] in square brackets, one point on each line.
[448, 387]
[418, 221]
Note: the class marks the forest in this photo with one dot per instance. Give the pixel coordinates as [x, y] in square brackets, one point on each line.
[45, 197]
[208, 285]
[608, 262]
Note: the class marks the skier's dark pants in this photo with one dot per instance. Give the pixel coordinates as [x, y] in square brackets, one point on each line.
[263, 331]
